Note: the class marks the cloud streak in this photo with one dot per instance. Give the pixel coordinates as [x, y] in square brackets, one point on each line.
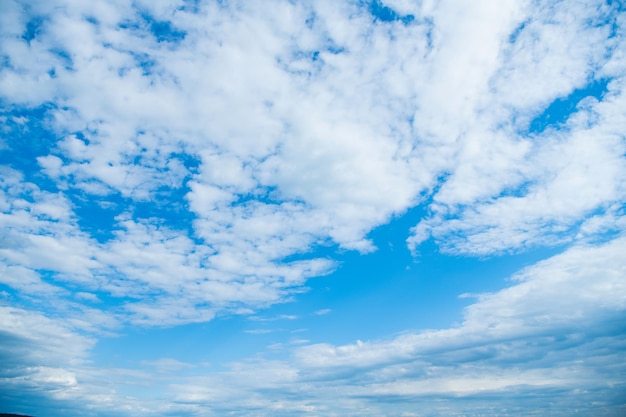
[523, 340]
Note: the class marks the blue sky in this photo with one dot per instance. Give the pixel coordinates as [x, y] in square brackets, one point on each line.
[324, 208]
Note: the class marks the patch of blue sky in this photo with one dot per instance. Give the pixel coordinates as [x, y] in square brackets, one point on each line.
[147, 26]
[144, 61]
[65, 58]
[27, 135]
[385, 13]
[370, 296]
[93, 20]
[261, 195]
[321, 249]
[215, 342]
[52, 277]
[190, 162]
[161, 30]
[24, 298]
[167, 203]
[30, 138]
[420, 288]
[96, 216]
[558, 112]
[335, 49]
[166, 207]
[166, 32]
[5, 61]
[607, 15]
[129, 25]
[33, 29]
[7, 292]
[617, 6]
[362, 288]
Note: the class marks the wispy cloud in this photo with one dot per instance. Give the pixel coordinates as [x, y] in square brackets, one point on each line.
[524, 340]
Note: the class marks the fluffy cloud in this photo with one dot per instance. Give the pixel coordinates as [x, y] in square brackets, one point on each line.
[170, 275]
[272, 162]
[512, 187]
[183, 160]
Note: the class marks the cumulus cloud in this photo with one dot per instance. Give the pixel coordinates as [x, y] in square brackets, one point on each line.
[185, 160]
[344, 123]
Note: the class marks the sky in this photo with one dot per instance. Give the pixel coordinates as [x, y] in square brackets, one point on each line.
[312, 207]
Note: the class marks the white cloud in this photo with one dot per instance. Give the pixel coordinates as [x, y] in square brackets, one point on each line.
[32, 338]
[168, 365]
[288, 126]
[338, 127]
[523, 340]
[557, 299]
[165, 277]
[509, 189]
[554, 331]
[322, 163]
[25, 280]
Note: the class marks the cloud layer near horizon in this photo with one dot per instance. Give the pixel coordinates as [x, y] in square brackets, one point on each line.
[166, 163]
[557, 330]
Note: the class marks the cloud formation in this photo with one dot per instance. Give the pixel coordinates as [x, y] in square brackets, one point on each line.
[175, 162]
[556, 330]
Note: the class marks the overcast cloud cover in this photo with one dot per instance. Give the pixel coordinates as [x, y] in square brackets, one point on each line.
[243, 207]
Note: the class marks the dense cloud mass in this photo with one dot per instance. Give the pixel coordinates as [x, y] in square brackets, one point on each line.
[176, 162]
